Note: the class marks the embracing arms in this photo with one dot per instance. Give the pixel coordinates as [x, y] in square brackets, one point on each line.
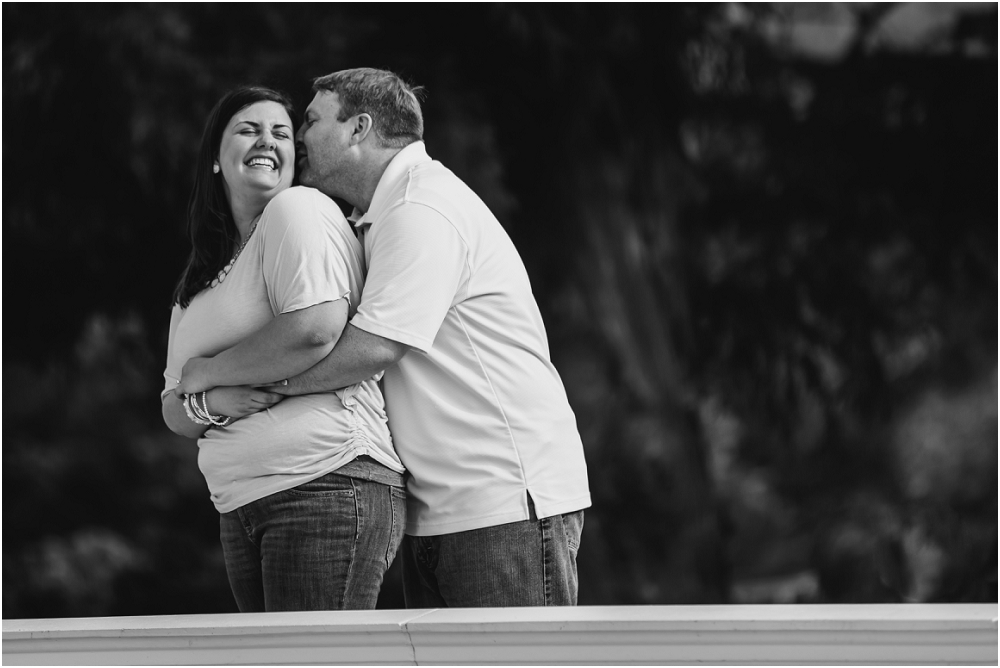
[290, 343]
[357, 356]
[287, 345]
[234, 402]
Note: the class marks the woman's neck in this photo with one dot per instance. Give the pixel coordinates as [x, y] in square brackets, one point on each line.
[244, 215]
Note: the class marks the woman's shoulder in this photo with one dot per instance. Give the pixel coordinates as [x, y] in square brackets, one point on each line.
[304, 210]
[302, 196]
[297, 207]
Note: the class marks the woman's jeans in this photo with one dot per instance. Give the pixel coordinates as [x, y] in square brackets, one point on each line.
[518, 564]
[323, 545]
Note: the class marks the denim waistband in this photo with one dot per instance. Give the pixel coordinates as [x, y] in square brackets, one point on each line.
[366, 468]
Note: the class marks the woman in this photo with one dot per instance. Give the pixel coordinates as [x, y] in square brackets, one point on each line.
[309, 489]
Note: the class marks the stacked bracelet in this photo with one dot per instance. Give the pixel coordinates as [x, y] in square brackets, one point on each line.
[190, 413]
[199, 413]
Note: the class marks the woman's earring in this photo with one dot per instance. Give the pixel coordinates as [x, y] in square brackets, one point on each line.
[215, 168]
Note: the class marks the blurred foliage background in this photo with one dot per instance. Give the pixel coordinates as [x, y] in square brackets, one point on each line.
[762, 236]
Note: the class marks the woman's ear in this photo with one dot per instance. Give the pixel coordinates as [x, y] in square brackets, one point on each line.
[363, 125]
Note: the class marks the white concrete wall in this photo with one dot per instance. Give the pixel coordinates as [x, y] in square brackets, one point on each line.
[780, 634]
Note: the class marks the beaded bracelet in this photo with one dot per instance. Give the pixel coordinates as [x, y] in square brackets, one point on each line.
[190, 411]
[217, 420]
[200, 414]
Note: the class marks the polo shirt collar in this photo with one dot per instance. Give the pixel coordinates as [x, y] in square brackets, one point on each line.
[411, 156]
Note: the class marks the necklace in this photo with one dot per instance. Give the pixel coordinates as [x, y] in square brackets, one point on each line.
[229, 267]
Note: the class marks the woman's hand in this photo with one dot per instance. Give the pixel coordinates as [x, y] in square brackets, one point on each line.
[195, 376]
[240, 401]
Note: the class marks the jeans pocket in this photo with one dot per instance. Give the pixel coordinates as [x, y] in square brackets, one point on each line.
[397, 497]
[330, 484]
[573, 528]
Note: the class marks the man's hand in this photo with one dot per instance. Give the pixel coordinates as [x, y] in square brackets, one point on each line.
[281, 387]
[240, 401]
[196, 376]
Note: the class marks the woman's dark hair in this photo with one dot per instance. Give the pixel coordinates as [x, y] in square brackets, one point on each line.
[210, 224]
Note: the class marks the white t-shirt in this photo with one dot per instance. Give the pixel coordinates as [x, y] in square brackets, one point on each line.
[478, 413]
[301, 254]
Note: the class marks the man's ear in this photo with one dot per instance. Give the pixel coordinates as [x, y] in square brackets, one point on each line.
[361, 128]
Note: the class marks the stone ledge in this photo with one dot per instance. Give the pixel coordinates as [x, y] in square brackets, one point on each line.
[909, 634]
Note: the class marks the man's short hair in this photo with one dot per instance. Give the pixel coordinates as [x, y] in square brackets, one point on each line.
[390, 101]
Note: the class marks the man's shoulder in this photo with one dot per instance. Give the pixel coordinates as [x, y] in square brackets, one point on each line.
[433, 172]
[433, 184]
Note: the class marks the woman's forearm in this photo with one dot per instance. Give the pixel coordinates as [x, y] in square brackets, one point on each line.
[287, 345]
[177, 420]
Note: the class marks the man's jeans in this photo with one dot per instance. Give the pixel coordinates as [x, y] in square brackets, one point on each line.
[518, 564]
[323, 545]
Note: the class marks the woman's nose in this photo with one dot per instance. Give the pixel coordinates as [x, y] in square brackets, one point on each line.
[266, 141]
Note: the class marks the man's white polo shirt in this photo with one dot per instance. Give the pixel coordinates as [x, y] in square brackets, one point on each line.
[477, 412]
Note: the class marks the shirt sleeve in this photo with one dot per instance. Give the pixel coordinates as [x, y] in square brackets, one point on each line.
[172, 374]
[303, 262]
[418, 263]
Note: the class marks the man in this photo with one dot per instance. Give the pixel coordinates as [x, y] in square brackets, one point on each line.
[477, 412]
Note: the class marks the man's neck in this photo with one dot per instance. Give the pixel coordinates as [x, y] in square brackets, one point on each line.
[371, 175]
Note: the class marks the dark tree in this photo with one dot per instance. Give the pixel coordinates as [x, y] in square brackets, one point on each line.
[762, 238]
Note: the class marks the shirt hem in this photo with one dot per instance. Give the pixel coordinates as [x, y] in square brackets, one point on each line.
[268, 491]
[563, 507]
[519, 515]
[421, 344]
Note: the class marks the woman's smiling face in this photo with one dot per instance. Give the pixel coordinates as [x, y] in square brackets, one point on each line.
[257, 152]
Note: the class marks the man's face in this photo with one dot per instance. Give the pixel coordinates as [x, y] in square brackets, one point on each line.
[323, 146]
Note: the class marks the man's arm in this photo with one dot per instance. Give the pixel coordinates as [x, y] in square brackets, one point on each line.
[358, 355]
[287, 345]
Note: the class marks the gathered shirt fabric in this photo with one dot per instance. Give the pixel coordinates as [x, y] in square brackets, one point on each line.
[478, 413]
[302, 253]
